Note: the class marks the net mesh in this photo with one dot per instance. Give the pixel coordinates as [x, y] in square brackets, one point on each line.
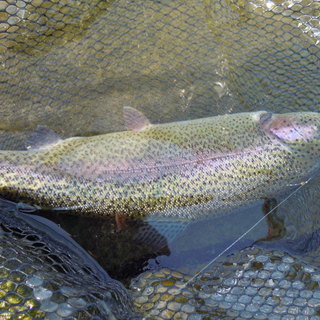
[73, 65]
[41, 278]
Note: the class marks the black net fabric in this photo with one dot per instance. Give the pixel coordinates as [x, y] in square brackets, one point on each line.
[46, 276]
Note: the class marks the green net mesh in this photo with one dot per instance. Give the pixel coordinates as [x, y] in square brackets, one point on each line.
[73, 65]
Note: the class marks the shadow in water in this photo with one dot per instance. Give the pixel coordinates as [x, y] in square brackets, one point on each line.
[120, 252]
[141, 244]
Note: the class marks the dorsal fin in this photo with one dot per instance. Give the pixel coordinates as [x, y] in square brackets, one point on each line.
[134, 119]
[42, 137]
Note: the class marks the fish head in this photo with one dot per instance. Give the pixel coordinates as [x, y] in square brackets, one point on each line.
[300, 131]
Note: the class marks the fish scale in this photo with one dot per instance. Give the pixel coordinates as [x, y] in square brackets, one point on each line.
[182, 169]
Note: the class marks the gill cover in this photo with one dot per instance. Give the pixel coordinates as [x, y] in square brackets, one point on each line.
[291, 127]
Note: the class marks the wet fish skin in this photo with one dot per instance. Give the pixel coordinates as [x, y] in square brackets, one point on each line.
[214, 163]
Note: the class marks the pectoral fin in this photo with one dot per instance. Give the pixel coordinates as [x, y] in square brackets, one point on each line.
[161, 230]
[276, 227]
[134, 119]
[41, 138]
[121, 222]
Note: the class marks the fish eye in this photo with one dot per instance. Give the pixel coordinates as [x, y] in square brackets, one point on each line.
[265, 117]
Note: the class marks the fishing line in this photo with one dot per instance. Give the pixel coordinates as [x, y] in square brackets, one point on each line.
[244, 234]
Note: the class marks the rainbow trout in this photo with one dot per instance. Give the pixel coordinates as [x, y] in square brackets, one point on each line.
[211, 164]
